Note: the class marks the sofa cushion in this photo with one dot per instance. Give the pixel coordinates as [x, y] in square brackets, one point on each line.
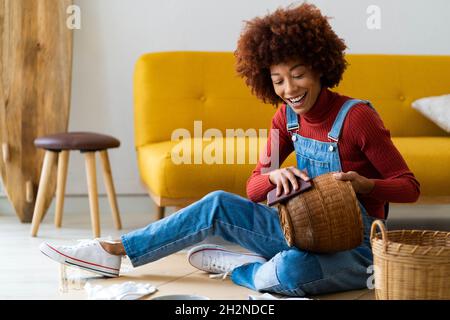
[167, 179]
[392, 82]
[429, 159]
[216, 94]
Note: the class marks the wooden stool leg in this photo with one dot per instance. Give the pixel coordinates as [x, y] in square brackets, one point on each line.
[161, 211]
[63, 160]
[107, 176]
[49, 161]
[93, 195]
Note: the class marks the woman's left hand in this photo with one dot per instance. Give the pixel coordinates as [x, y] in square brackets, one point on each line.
[360, 184]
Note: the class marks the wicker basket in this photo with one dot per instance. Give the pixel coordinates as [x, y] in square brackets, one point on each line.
[411, 264]
[325, 219]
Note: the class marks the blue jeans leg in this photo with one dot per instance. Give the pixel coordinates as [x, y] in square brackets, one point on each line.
[296, 272]
[253, 226]
[285, 271]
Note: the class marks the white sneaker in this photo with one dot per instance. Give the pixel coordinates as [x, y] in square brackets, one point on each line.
[216, 259]
[88, 255]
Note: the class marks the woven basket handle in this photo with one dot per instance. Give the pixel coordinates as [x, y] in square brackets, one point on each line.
[384, 236]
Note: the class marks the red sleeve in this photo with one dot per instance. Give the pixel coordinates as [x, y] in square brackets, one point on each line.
[398, 183]
[258, 185]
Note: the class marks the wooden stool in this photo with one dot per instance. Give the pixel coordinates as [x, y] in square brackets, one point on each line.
[60, 145]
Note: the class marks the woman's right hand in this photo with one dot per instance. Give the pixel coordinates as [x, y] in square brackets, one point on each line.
[284, 178]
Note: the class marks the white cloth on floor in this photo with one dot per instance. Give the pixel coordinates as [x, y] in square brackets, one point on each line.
[268, 296]
[125, 291]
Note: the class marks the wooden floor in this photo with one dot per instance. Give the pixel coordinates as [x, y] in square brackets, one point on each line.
[25, 273]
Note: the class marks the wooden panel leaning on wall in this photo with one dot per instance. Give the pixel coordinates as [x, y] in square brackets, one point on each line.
[35, 84]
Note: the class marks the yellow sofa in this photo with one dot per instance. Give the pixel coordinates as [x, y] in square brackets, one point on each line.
[173, 90]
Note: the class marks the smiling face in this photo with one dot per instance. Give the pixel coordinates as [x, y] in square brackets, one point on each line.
[296, 84]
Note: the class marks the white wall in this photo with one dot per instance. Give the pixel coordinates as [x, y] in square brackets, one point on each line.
[114, 33]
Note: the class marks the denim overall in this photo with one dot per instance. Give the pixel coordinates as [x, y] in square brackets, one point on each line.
[256, 227]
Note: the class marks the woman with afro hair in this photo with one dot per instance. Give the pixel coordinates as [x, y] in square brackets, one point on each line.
[289, 58]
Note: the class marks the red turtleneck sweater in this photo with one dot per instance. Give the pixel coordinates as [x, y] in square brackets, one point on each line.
[365, 146]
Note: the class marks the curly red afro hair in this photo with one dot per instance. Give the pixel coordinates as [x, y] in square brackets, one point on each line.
[300, 32]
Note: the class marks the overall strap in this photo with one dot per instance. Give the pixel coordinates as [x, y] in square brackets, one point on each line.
[291, 120]
[338, 123]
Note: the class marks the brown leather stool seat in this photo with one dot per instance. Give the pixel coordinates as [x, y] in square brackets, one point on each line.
[57, 148]
[84, 141]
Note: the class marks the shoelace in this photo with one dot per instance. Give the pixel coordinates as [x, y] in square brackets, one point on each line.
[82, 243]
[221, 264]
[221, 276]
[90, 242]
[86, 242]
